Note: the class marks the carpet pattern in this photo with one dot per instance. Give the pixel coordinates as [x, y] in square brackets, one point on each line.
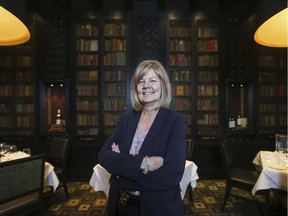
[207, 199]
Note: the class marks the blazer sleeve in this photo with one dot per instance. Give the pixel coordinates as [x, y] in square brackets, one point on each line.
[121, 164]
[170, 174]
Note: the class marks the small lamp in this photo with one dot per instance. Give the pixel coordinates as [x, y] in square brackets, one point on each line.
[273, 32]
[12, 30]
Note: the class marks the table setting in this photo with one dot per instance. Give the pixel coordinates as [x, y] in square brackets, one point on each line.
[273, 166]
[9, 152]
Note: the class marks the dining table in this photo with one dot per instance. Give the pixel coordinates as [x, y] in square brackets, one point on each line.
[50, 177]
[99, 180]
[273, 167]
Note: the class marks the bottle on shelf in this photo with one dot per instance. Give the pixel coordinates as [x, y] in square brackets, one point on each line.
[58, 117]
[239, 120]
[232, 123]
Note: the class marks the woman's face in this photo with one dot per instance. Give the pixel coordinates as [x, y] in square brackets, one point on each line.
[149, 88]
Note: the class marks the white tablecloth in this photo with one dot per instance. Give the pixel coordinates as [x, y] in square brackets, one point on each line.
[50, 177]
[100, 178]
[270, 176]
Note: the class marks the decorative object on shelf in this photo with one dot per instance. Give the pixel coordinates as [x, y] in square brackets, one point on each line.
[274, 32]
[13, 31]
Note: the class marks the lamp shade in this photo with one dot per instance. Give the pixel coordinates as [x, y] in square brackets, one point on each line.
[273, 32]
[12, 30]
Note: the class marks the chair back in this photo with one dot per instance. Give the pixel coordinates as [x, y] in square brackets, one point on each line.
[189, 148]
[226, 155]
[58, 152]
[21, 183]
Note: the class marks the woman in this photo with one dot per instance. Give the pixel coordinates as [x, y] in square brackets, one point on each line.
[146, 153]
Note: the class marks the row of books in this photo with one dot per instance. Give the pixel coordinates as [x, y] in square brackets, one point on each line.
[180, 31]
[181, 90]
[87, 30]
[181, 75]
[24, 108]
[115, 30]
[6, 122]
[267, 120]
[181, 104]
[24, 121]
[89, 75]
[266, 76]
[267, 61]
[114, 104]
[20, 61]
[208, 76]
[179, 60]
[115, 89]
[25, 90]
[207, 32]
[117, 75]
[87, 119]
[207, 90]
[115, 59]
[207, 45]
[87, 59]
[115, 45]
[5, 108]
[6, 90]
[208, 105]
[180, 45]
[267, 90]
[207, 119]
[111, 119]
[87, 105]
[267, 107]
[208, 60]
[87, 90]
[87, 45]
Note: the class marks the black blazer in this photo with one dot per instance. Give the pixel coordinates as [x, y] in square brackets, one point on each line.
[160, 191]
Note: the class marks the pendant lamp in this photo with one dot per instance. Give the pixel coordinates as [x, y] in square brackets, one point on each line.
[273, 32]
[12, 30]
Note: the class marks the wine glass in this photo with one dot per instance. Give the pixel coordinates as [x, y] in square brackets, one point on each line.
[2, 149]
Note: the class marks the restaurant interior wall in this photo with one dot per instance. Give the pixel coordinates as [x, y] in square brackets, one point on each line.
[53, 56]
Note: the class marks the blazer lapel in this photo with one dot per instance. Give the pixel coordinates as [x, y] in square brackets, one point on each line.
[154, 129]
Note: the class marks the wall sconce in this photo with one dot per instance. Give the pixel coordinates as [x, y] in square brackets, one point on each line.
[13, 31]
[273, 32]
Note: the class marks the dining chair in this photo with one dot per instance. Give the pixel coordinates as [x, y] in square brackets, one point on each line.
[58, 157]
[21, 186]
[189, 156]
[241, 178]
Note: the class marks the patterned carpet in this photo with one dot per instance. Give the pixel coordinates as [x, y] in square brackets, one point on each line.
[207, 195]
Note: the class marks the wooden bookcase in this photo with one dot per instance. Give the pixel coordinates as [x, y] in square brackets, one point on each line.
[272, 91]
[115, 72]
[17, 90]
[208, 79]
[180, 67]
[87, 42]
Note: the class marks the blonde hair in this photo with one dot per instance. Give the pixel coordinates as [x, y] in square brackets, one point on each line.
[141, 70]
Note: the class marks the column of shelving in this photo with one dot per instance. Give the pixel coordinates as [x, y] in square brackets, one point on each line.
[180, 56]
[115, 74]
[207, 79]
[87, 76]
[272, 86]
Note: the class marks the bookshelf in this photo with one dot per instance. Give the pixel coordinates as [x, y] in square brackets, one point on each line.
[272, 86]
[180, 71]
[17, 90]
[87, 43]
[115, 72]
[207, 80]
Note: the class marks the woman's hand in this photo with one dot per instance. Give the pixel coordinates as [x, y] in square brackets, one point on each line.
[155, 162]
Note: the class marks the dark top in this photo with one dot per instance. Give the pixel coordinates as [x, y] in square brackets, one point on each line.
[160, 191]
